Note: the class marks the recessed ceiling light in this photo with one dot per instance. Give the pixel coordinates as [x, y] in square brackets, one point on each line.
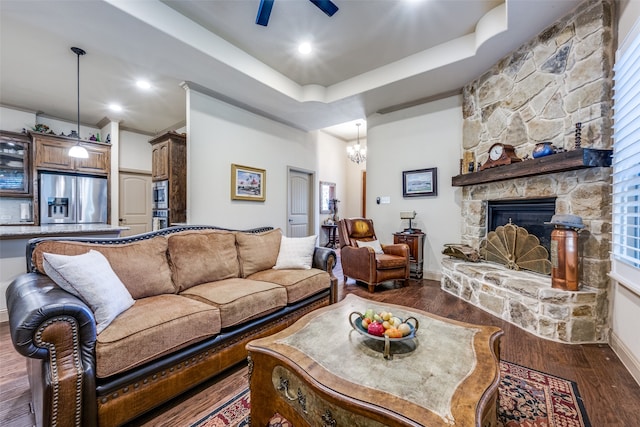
[115, 107]
[304, 48]
[143, 84]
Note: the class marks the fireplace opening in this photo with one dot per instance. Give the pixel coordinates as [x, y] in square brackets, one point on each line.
[530, 214]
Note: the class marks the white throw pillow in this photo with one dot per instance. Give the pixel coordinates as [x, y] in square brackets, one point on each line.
[296, 253]
[90, 277]
[374, 244]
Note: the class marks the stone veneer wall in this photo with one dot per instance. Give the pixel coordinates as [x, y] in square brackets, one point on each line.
[536, 94]
[540, 91]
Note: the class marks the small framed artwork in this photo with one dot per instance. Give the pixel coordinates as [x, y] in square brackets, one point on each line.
[420, 182]
[248, 183]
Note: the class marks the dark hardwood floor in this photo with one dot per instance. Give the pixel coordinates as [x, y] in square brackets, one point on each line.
[611, 395]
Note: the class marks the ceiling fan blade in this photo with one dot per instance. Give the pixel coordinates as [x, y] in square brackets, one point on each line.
[264, 11]
[327, 6]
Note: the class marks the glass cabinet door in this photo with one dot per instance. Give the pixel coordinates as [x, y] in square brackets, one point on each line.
[14, 164]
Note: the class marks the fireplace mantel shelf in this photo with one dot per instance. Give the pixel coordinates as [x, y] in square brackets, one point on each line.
[569, 160]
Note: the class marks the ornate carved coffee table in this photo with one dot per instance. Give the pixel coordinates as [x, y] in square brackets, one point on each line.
[321, 372]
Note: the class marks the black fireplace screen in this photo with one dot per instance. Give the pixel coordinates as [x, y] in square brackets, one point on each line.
[530, 214]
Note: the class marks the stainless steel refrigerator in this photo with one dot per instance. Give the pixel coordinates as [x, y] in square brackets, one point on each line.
[72, 199]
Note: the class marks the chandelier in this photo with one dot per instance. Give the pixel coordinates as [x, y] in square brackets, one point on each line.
[357, 153]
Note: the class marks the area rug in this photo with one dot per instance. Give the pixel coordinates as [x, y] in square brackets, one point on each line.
[527, 398]
[534, 399]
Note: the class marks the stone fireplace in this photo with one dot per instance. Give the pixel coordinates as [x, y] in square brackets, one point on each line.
[537, 94]
[531, 214]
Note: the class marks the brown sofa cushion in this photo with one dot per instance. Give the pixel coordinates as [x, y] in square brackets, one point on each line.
[153, 327]
[202, 256]
[240, 300]
[141, 266]
[387, 262]
[299, 283]
[258, 252]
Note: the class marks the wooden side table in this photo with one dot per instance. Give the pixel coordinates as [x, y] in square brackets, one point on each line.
[332, 235]
[415, 240]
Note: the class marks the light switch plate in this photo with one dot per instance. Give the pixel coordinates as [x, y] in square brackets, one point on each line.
[385, 200]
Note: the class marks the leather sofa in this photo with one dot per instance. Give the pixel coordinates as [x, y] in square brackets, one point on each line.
[200, 294]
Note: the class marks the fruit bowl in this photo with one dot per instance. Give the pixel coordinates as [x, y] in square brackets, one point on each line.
[356, 323]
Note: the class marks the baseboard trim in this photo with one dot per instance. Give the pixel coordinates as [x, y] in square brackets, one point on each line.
[626, 357]
[432, 275]
[4, 315]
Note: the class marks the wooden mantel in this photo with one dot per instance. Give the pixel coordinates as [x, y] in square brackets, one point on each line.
[569, 160]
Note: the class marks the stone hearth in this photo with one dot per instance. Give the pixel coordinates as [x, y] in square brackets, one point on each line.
[527, 300]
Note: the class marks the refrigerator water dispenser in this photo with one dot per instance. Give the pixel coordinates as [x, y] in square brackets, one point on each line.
[58, 208]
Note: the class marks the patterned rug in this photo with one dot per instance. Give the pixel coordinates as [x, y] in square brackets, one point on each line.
[528, 398]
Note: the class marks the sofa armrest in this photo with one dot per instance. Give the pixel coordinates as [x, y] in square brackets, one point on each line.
[57, 332]
[325, 259]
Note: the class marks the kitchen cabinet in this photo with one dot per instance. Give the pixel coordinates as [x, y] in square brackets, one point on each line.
[15, 172]
[169, 163]
[52, 153]
[415, 240]
[160, 161]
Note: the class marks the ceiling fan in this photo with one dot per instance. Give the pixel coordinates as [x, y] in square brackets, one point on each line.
[264, 11]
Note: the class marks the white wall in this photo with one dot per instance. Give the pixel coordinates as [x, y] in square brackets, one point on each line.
[219, 134]
[16, 120]
[331, 168]
[135, 151]
[425, 136]
[625, 304]
[352, 206]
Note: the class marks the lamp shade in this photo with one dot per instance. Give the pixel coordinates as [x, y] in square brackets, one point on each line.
[407, 214]
[79, 152]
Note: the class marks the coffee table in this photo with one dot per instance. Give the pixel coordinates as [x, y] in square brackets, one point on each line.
[322, 372]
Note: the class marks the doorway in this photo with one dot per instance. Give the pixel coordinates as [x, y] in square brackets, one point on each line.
[300, 203]
[364, 194]
[135, 203]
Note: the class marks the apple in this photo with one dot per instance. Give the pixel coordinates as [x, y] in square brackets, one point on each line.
[365, 322]
[375, 328]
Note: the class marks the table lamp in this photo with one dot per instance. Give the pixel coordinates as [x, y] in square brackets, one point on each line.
[408, 215]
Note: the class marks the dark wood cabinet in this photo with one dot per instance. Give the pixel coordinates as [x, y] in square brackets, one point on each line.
[169, 163]
[415, 241]
[15, 164]
[52, 153]
[98, 162]
[160, 161]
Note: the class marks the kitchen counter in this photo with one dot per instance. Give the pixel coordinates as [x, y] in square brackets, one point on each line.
[13, 245]
[50, 230]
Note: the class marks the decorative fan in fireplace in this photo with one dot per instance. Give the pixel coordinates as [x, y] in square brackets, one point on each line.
[514, 247]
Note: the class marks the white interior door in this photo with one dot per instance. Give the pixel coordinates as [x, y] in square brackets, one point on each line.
[135, 203]
[300, 205]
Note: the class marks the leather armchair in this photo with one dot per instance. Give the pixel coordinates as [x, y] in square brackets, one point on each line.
[363, 263]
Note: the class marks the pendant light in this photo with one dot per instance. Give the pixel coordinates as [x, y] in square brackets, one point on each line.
[357, 153]
[78, 150]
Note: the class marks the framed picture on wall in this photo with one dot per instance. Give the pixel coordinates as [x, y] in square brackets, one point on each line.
[248, 183]
[420, 182]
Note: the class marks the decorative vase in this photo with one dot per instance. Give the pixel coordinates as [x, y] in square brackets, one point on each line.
[543, 149]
